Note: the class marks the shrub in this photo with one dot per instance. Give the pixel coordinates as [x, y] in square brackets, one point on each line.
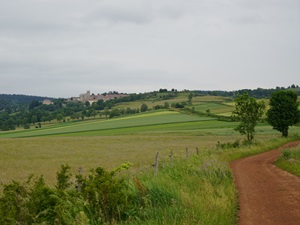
[103, 198]
[105, 195]
[26, 126]
[227, 145]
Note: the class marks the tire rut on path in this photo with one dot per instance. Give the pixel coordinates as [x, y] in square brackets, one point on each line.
[267, 194]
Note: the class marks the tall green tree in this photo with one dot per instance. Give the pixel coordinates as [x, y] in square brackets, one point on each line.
[34, 119]
[190, 98]
[166, 105]
[93, 113]
[283, 111]
[144, 107]
[248, 111]
[59, 117]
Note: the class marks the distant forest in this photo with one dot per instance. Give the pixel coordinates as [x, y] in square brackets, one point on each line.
[256, 93]
[23, 110]
[15, 101]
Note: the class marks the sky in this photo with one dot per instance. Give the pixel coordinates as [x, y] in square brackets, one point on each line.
[61, 48]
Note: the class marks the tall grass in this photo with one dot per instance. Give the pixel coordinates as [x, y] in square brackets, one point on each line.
[197, 190]
[290, 160]
[256, 147]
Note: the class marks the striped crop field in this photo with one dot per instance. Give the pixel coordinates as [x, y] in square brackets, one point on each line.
[129, 122]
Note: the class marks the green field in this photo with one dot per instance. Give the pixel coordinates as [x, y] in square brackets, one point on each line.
[151, 122]
[139, 120]
[111, 142]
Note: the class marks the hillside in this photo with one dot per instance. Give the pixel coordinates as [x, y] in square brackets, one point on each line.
[22, 98]
[15, 102]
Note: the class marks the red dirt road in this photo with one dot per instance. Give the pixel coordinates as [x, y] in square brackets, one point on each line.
[267, 194]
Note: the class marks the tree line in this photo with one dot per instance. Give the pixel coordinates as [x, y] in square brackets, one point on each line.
[256, 93]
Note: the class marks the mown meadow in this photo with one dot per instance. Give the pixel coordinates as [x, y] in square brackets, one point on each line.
[193, 188]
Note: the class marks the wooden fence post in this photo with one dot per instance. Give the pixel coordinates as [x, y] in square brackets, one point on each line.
[156, 164]
[197, 150]
[171, 156]
[79, 181]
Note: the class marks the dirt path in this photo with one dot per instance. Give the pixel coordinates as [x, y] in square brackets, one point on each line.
[267, 195]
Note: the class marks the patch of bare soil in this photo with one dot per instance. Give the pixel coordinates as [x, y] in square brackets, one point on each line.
[267, 194]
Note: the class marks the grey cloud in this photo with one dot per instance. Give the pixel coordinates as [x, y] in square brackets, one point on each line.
[122, 12]
[134, 11]
[70, 46]
[247, 19]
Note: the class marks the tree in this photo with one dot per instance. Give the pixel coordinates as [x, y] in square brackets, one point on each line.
[106, 113]
[166, 105]
[83, 114]
[190, 98]
[144, 107]
[34, 119]
[34, 104]
[73, 116]
[93, 113]
[163, 90]
[248, 111]
[208, 112]
[283, 111]
[50, 117]
[44, 118]
[59, 117]
[114, 113]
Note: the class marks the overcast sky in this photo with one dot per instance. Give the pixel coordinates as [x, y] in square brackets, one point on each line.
[61, 48]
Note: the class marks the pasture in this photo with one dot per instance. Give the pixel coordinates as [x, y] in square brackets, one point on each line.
[109, 143]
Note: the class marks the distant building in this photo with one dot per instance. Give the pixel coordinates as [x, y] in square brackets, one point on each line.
[84, 97]
[91, 98]
[74, 99]
[47, 102]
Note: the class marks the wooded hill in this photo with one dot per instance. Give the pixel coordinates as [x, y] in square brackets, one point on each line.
[16, 101]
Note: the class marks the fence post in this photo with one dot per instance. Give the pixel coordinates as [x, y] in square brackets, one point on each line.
[79, 180]
[197, 150]
[156, 164]
[187, 152]
[171, 156]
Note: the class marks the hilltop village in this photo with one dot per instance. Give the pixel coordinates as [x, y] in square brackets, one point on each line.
[91, 98]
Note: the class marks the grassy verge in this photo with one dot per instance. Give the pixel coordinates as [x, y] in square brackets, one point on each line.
[257, 147]
[290, 160]
[197, 190]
